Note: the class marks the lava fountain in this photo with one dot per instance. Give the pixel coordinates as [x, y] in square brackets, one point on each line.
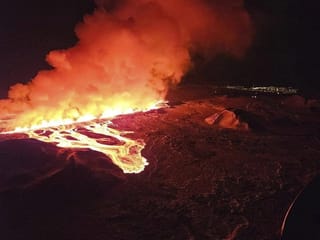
[125, 60]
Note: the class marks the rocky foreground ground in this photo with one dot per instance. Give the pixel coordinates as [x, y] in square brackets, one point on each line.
[230, 178]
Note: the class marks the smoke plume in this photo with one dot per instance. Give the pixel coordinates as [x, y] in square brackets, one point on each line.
[128, 53]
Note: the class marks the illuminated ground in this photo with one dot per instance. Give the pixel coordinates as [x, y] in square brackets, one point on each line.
[202, 182]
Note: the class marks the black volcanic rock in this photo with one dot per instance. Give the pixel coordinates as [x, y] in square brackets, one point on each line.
[24, 160]
[202, 182]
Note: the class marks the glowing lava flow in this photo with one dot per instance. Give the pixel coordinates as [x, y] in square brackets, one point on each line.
[97, 136]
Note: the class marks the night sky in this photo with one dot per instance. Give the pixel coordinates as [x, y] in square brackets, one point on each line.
[30, 29]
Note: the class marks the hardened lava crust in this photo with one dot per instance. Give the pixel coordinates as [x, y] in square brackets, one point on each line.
[222, 165]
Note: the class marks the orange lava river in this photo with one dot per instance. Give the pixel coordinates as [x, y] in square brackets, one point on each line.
[96, 135]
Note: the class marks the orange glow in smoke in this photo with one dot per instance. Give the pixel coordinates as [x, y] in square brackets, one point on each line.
[125, 60]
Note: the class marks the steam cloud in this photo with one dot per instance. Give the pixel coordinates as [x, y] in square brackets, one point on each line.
[128, 56]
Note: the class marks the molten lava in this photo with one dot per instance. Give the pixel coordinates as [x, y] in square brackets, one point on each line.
[125, 60]
[97, 136]
[94, 134]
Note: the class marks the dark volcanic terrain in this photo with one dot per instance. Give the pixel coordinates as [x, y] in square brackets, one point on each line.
[203, 181]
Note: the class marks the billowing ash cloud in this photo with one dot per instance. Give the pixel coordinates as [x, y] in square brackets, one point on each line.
[128, 53]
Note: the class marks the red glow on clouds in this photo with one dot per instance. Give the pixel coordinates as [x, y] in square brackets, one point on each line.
[126, 58]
